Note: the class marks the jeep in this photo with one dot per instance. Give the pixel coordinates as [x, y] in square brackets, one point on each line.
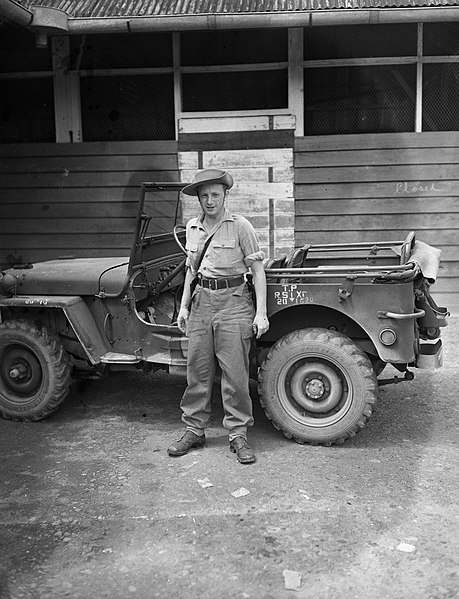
[339, 314]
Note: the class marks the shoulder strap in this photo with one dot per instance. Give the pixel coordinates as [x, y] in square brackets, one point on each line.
[206, 245]
[194, 282]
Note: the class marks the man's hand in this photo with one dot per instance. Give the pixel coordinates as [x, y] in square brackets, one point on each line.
[182, 319]
[260, 325]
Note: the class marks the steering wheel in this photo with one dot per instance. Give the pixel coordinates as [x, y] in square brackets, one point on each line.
[176, 230]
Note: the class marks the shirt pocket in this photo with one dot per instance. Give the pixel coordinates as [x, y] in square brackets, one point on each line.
[223, 252]
[221, 245]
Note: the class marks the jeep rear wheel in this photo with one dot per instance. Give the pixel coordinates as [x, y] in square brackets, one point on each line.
[34, 371]
[317, 386]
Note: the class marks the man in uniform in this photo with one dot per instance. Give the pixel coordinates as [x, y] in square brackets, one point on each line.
[219, 316]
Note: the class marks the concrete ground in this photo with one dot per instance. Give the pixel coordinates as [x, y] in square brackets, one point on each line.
[93, 507]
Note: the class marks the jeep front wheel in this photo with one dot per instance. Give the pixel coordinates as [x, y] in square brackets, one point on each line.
[317, 386]
[34, 371]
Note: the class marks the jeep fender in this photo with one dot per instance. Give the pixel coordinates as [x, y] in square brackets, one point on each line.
[364, 332]
[77, 314]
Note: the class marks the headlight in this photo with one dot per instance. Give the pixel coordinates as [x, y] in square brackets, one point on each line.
[7, 284]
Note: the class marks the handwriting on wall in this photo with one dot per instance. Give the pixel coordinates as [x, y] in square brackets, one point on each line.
[410, 188]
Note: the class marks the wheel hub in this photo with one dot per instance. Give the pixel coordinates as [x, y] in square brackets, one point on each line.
[316, 387]
[20, 370]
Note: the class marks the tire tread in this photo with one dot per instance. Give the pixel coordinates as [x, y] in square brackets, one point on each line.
[60, 364]
[358, 357]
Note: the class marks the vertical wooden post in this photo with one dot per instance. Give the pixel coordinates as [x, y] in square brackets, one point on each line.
[67, 103]
[296, 78]
[272, 224]
[419, 78]
[177, 82]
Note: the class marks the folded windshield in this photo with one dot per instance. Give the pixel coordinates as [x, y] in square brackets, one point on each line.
[160, 208]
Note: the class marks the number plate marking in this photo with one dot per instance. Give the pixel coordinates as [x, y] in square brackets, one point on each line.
[291, 295]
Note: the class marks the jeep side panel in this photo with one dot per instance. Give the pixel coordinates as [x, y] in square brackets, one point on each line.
[359, 315]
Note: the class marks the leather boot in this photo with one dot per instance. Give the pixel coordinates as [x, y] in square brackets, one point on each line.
[187, 442]
[242, 449]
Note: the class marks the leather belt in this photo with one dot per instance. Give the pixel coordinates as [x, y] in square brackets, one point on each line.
[221, 283]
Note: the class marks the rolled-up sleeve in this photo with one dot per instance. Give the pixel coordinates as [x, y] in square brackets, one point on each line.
[192, 244]
[256, 256]
[250, 245]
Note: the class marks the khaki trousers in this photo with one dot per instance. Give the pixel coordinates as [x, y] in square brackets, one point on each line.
[219, 330]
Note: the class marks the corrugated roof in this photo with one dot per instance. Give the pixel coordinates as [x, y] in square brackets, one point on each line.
[146, 8]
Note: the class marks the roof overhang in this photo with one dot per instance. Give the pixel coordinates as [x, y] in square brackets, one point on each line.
[12, 12]
[44, 20]
[41, 20]
[262, 20]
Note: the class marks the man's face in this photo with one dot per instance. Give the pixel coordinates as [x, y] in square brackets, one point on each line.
[212, 199]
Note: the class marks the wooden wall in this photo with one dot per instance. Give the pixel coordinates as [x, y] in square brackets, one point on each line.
[261, 163]
[80, 199]
[379, 187]
[75, 199]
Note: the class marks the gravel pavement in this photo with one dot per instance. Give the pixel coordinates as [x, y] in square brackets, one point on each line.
[93, 507]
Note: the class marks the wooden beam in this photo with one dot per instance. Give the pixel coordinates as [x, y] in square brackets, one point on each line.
[296, 78]
[67, 105]
[419, 74]
[177, 82]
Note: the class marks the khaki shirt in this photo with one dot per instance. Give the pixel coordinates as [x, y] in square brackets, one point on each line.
[233, 249]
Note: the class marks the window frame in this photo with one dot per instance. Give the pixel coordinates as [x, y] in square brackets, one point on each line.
[419, 59]
[69, 111]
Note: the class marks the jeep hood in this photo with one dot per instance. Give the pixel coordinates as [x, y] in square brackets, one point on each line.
[76, 276]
